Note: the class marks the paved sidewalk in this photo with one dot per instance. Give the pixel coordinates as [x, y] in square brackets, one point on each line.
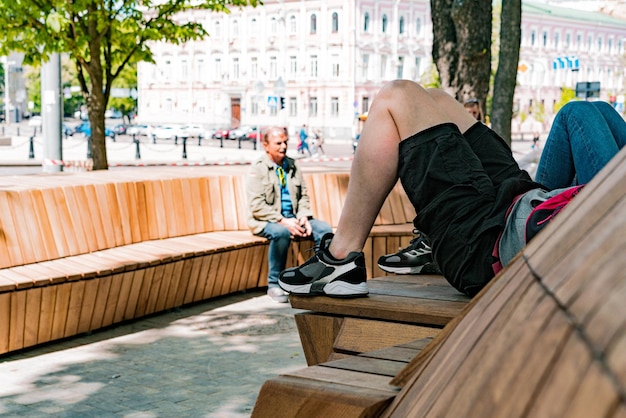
[207, 360]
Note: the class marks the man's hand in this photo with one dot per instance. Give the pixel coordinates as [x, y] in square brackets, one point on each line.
[296, 227]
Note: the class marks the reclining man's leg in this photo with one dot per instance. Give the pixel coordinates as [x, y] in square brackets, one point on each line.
[409, 134]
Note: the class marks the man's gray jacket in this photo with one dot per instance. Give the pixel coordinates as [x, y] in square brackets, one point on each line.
[263, 193]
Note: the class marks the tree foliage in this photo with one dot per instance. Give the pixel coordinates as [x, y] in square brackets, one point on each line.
[101, 37]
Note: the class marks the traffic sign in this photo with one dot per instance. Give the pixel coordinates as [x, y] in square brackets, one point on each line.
[272, 101]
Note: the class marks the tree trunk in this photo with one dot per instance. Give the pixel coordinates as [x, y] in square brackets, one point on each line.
[462, 46]
[506, 75]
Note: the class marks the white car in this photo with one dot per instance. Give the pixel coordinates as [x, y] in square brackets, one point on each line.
[191, 131]
[166, 132]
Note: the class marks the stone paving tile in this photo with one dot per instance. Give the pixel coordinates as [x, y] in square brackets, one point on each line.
[206, 360]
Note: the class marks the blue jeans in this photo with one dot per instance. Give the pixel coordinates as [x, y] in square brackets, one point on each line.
[280, 239]
[582, 140]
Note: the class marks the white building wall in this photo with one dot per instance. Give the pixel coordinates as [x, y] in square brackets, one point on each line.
[328, 77]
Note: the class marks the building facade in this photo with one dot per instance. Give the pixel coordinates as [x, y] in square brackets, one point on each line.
[325, 59]
[320, 63]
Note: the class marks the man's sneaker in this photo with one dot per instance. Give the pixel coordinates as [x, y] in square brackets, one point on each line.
[323, 274]
[414, 259]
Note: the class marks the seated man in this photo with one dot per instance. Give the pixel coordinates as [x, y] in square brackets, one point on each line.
[459, 175]
[279, 206]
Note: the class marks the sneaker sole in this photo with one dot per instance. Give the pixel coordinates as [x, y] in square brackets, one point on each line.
[402, 270]
[336, 289]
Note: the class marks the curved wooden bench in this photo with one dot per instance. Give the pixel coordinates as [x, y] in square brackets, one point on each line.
[547, 337]
[81, 251]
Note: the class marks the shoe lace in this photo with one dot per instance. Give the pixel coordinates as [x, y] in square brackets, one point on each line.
[419, 237]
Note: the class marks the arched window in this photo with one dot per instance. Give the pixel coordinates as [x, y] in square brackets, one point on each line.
[384, 23]
[366, 22]
[335, 24]
[401, 25]
[292, 24]
[313, 23]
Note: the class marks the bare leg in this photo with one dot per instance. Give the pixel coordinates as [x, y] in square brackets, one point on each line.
[401, 109]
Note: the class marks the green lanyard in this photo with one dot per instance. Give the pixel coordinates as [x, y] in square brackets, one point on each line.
[281, 176]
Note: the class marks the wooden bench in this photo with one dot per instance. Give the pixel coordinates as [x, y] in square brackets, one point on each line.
[82, 251]
[547, 337]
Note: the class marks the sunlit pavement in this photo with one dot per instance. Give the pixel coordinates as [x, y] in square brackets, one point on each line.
[207, 360]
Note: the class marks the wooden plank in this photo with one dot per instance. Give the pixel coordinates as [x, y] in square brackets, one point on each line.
[33, 249]
[217, 207]
[144, 294]
[306, 398]
[361, 335]
[55, 216]
[174, 215]
[114, 221]
[126, 282]
[61, 310]
[345, 377]
[5, 321]
[74, 307]
[46, 314]
[87, 306]
[229, 203]
[100, 304]
[317, 335]
[79, 233]
[31, 325]
[17, 321]
[10, 242]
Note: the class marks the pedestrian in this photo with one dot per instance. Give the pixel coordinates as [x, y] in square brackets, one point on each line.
[319, 142]
[304, 145]
[468, 192]
[279, 205]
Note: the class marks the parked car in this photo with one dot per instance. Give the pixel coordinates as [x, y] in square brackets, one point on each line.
[85, 129]
[253, 135]
[120, 129]
[34, 121]
[166, 132]
[139, 130]
[221, 133]
[240, 133]
[66, 130]
[113, 114]
[191, 131]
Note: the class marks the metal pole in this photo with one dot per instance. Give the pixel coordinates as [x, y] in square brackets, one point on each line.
[137, 152]
[51, 108]
[31, 149]
[184, 148]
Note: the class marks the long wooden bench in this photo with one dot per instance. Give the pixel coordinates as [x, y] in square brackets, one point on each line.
[547, 337]
[82, 251]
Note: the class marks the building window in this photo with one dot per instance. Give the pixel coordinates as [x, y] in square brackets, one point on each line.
[533, 38]
[384, 23]
[313, 66]
[365, 104]
[335, 65]
[383, 66]
[313, 106]
[235, 68]
[218, 68]
[235, 28]
[273, 25]
[254, 68]
[199, 68]
[293, 66]
[589, 43]
[366, 22]
[313, 24]
[418, 26]
[254, 26]
[293, 27]
[254, 107]
[293, 106]
[184, 70]
[334, 106]
[556, 40]
[365, 66]
[400, 67]
[545, 39]
[568, 40]
[401, 25]
[218, 30]
[335, 23]
[417, 72]
[599, 44]
[579, 42]
[273, 68]
[273, 110]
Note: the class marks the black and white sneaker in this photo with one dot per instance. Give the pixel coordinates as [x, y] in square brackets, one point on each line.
[414, 259]
[323, 274]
